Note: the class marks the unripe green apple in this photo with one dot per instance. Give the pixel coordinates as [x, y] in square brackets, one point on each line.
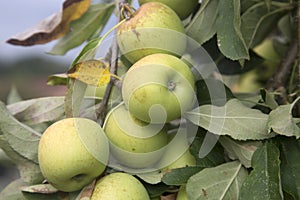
[134, 143]
[153, 28]
[182, 8]
[72, 152]
[185, 160]
[177, 154]
[182, 195]
[158, 88]
[267, 51]
[119, 186]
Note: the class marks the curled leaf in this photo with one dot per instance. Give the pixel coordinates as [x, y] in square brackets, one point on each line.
[16, 137]
[40, 188]
[282, 121]
[54, 26]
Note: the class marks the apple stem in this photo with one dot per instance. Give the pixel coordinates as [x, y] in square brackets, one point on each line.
[126, 11]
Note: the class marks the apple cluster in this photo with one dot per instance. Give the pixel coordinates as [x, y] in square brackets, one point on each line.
[156, 90]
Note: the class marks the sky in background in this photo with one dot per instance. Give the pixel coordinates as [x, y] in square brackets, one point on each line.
[19, 15]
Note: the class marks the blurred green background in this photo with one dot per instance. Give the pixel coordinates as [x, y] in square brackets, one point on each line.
[29, 76]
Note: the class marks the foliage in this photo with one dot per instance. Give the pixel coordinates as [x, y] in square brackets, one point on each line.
[251, 123]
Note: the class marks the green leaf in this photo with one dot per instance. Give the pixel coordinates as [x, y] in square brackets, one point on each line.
[13, 95]
[221, 182]
[74, 97]
[203, 25]
[290, 166]
[180, 176]
[246, 4]
[11, 192]
[234, 67]
[30, 172]
[214, 157]
[95, 18]
[21, 138]
[10, 152]
[269, 99]
[35, 111]
[88, 51]
[264, 180]
[241, 150]
[212, 91]
[258, 21]
[234, 119]
[57, 79]
[285, 25]
[230, 39]
[282, 122]
[156, 189]
[248, 99]
[151, 177]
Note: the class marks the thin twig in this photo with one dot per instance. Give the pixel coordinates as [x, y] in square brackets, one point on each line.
[298, 38]
[297, 107]
[113, 63]
[280, 78]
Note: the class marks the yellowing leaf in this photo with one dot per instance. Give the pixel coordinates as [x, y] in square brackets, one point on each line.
[91, 72]
[54, 26]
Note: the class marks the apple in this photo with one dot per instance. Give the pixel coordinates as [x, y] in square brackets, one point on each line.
[134, 143]
[253, 80]
[119, 186]
[267, 50]
[72, 152]
[182, 8]
[182, 195]
[185, 160]
[158, 88]
[177, 154]
[153, 28]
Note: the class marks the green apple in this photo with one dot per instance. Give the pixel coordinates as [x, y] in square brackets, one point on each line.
[134, 143]
[153, 28]
[182, 8]
[185, 160]
[119, 186]
[177, 154]
[272, 59]
[182, 195]
[159, 88]
[72, 152]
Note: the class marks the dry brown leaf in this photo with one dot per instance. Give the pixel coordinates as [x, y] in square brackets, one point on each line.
[168, 197]
[54, 26]
[87, 192]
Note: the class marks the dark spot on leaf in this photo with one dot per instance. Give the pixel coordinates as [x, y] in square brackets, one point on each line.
[204, 192]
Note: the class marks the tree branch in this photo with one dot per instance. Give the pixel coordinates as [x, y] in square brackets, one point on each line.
[298, 38]
[113, 63]
[280, 78]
